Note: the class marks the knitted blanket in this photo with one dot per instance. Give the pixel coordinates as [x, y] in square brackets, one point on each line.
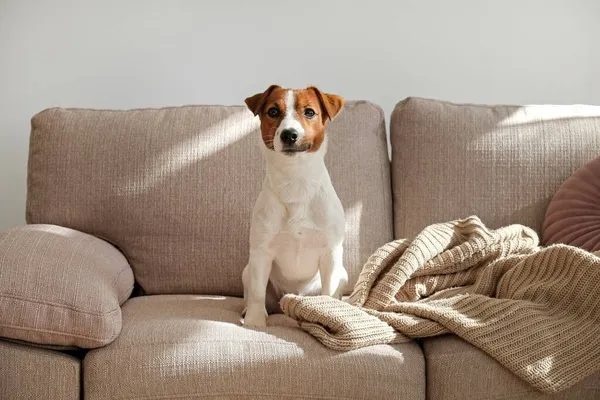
[535, 310]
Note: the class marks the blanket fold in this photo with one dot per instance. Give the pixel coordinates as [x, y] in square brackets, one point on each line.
[535, 310]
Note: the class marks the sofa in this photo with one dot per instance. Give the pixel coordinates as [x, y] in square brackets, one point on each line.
[125, 283]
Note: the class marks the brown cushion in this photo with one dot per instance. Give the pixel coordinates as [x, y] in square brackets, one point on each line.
[194, 347]
[573, 215]
[174, 188]
[61, 287]
[501, 163]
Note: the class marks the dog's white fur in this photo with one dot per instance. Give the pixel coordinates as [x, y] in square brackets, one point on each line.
[297, 229]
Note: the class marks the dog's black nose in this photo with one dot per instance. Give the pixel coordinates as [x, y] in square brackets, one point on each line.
[289, 136]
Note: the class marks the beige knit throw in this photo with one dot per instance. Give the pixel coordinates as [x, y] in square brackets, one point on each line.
[535, 310]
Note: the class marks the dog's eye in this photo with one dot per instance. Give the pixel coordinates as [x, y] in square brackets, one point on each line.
[309, 113]
[273, 112]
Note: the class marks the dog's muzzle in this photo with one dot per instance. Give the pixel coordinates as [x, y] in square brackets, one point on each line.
[289, 140]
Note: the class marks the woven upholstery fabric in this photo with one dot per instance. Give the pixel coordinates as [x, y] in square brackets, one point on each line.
[174, 188]
[189, 347]
[573, 215]
[61, 287]
[28, 373]
[501, 163]
[457, 370]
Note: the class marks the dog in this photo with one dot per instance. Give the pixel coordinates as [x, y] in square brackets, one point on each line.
[298, 223]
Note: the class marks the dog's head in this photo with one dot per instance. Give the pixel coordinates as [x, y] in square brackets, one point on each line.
[293, 121]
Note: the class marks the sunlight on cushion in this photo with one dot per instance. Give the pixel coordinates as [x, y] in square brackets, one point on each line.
[530, 127]
[352, 235]
[539, 113]
[211, 140]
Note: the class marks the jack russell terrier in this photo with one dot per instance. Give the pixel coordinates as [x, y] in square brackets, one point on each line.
[298, 222]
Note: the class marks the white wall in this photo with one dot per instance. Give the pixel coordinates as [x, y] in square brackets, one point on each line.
[135, 53]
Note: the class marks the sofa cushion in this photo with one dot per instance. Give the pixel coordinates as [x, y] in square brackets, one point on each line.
[32, 373]
[185, 346]
[501, 163]
[174, 188]
[457, 370]
[61, 287]
[573, 215]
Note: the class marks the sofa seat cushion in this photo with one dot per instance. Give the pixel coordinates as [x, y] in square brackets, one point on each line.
[188, 347]
[457, 370]
[33, 373]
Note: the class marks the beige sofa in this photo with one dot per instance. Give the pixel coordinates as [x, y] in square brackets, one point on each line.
[165, 195]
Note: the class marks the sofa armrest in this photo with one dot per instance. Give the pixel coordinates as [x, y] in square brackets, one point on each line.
[61, 287]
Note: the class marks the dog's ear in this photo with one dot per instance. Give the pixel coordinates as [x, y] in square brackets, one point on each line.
[331, 103]
[256, 102]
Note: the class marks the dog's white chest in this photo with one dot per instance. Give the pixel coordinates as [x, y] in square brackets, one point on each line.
[299, 239]
[299, 245]
[302, 228]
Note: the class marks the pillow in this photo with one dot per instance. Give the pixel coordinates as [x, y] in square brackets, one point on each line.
[573, 215]
[61, 287]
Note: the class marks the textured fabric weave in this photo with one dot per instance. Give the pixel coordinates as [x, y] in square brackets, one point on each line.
[61, 287]
[457, 370]
[194, 347]
[501, 163]
[28, 373]
[174, 188]
[535, 310]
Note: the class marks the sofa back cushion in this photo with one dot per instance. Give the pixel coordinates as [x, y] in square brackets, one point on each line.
[174, 188]
[501, 163]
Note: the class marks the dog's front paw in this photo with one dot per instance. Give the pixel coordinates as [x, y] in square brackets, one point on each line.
[255, 317]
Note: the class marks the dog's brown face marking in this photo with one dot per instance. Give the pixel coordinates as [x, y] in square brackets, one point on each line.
[311, 109]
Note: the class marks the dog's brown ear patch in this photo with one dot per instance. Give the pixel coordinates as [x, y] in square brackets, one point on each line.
[256, 102]
[331, 103]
